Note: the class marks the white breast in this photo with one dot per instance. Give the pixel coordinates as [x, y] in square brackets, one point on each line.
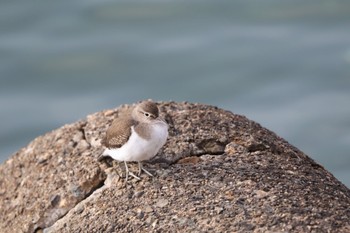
[137, 148]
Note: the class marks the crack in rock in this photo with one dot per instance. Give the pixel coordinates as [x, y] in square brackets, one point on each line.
[79, 206]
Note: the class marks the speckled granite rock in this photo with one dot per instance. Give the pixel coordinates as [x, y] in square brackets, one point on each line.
[218, 172]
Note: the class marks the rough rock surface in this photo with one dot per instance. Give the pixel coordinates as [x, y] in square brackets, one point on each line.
[218, 172]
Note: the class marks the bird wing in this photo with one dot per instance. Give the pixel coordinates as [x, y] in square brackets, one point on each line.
[118, 133]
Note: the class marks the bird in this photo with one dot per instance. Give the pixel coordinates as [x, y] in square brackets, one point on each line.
[136, 135]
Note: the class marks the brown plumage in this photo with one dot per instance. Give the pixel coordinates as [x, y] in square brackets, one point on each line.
[150, 107]
[119, 132]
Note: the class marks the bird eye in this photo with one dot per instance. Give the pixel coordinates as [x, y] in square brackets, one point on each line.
[147, 114]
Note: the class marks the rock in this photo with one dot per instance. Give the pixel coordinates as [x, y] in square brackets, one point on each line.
[148, 209]
[162, 203]
[218, 172]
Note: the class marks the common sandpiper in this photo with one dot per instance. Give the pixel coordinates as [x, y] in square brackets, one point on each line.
[136, 136]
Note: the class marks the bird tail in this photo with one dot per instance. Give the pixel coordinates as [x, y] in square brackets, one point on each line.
[103, 155]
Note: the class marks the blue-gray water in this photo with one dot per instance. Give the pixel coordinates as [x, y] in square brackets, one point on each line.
[284, 64]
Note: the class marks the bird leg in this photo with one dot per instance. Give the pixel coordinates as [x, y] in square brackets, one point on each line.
[127, 172]
[142, 169]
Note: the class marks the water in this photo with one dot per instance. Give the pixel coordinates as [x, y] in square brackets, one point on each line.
[284, 64]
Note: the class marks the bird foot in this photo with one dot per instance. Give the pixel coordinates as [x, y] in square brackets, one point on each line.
[147, 172]
[133, 175]
[142, 169]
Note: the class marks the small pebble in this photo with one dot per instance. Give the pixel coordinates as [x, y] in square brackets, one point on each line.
[162, 203]
[148, 209]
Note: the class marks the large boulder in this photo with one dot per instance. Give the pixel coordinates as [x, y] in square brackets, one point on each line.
[218, 172]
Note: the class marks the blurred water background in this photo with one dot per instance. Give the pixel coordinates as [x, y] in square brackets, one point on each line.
[284, 64]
